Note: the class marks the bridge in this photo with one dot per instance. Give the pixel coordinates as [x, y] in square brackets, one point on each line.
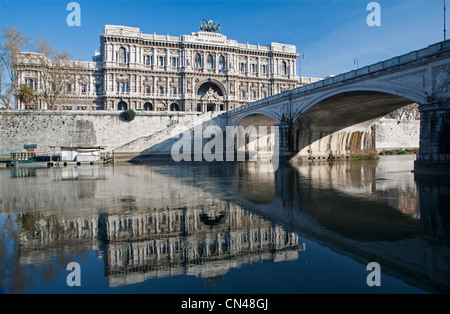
[332, 118]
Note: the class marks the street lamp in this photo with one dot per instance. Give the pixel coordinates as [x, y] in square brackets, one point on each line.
[445, 24]
[356, 62]
[302, 56]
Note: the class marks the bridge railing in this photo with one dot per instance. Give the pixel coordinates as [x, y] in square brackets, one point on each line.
[380, 66]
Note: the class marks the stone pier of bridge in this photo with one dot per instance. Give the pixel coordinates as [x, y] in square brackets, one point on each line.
[434, 151]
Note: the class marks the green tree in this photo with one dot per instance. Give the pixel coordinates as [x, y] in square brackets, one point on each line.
[128, 115]
[26, 95]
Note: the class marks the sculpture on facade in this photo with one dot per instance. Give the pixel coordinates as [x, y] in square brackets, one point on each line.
[211, 94]
[208, 26]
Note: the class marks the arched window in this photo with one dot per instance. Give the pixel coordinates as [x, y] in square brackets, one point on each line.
[198, 61]
[122, 106]
[122, 55]
[284, 68]
[174, 107]
[222, 64]
[210, 62]
[148, 106]
[205, 87]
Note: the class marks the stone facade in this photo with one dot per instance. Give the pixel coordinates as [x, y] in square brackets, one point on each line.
[204, 71]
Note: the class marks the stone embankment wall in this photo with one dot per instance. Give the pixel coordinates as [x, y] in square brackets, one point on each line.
[149, 132]
[393, 134]
[52, 129]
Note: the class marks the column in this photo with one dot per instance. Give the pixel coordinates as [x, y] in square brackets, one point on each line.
[167, 60]
[434, 151]
[203, 61]
[154, 57]
[247, 70]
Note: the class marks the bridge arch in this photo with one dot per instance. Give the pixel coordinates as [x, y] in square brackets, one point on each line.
[256, 115]
[256, 133]
[410, 92]
[338, 124]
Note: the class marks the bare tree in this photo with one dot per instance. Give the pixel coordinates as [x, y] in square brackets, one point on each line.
[56, 71]
[12, 43]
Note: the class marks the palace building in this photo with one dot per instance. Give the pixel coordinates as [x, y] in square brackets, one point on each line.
[204, 71]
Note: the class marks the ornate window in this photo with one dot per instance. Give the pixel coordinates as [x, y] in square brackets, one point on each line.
[122, 55]
[148, 60]
[284, 68]
[174, 107]
[198, 61]
[174, 62]
[162, 61]
[264, 68]
[222, 64]
[210, 62]
[123, 87]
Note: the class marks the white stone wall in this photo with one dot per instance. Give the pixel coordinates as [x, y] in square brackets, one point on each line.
[48, 129]
[393, 134]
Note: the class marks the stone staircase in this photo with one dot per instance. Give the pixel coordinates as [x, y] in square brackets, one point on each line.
[162, 141]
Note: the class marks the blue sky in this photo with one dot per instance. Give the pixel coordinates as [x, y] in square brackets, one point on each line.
[330, 33]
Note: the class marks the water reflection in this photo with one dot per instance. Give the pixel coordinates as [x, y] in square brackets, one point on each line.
[165, 220]
[181, 242]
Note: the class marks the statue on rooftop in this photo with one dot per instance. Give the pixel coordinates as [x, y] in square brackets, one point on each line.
[208, 26]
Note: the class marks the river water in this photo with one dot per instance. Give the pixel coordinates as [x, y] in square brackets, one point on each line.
[165, 227]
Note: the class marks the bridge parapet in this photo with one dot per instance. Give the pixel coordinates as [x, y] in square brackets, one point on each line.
[414, 58]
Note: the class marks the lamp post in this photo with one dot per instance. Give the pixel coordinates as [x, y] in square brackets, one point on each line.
[302, 56]
[445, 24]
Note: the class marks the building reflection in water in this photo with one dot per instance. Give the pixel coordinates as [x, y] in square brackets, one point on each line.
[153, 221]
[205, 241]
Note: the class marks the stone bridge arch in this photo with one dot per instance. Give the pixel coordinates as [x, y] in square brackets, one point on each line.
[255, 117]
[337, 124]
[412, 92]
[261, 143]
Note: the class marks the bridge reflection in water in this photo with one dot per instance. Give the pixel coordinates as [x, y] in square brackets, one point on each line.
[165, 220]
